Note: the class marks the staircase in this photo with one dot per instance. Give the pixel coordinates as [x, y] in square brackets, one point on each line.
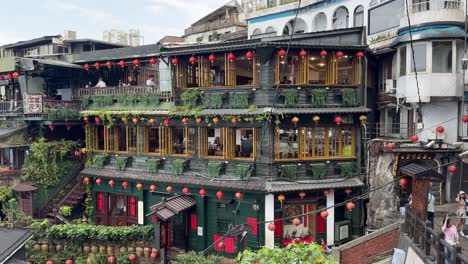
[71, 199]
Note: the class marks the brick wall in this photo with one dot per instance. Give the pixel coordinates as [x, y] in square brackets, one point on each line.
[364, 249]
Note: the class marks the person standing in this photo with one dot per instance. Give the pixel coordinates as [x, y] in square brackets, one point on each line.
[461, 211]
[450, 232]
[101, 83]
[404, 200]
[430, 208]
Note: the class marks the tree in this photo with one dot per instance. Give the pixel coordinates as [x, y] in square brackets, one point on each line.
[291, 254]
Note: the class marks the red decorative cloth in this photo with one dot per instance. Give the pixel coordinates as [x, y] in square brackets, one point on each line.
[253, 223]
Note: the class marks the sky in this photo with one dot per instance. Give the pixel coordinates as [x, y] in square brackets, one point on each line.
[27, 19]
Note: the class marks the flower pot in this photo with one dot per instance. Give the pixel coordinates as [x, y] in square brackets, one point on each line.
[94, 249]
[37, 247]
[147, 252]
[123, 250]
[139, 251]
[59, 247]
[110, 250]
[45, 248]
[102, 250]
[131, 249]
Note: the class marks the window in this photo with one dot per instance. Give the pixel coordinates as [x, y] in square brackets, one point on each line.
[270, 30]
[215, 142]
[359, 16]
[244, 142]
[182, 141]
[402, 58]
[99, 137]
[153, 139]
[257, 32]
[121, 134]
[345, 71]
[419, 58]
[287, 146]
[442, 57]
[384, 17]
[317, 68]
[340, 18]
[320, 22]
[300, 26]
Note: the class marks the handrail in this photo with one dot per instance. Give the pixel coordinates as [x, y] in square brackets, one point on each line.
[59, 104]
[125, 90]
[10, 106]
[78, 185]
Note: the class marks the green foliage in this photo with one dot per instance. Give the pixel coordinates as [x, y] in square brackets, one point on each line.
[290, 96]
[319, 97]
[177, 166]
[61, 114]
[150, 99]
[5, 193]
[318, 171]
[349, 97]
[88, 203]
[152, 165]
[85, 101]
[244, 171]
[103, 100]
[190, 97]
[15, 217]
[4, 124]
[214, 100]
[241, 99]
[123, 259]
[346, 168]
[252, 108]
[128, 99]
[215, 168]
[65, 211]
[121, 163]
[39, 229]
[194, 258]
[291, 254]
[99, 160]
[289, 171]
[44, 164]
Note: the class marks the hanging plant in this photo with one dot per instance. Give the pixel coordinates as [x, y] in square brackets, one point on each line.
[120, 163]
[349, 97]
[241, 99]
[319, 97]
[177, 166]
[99, 160]
[191, 97]
[319, 171]
[152, 165]
[290, 96]
[215, 168]
[288, 171]
[214, 100]
[346, 168]
[244, 171]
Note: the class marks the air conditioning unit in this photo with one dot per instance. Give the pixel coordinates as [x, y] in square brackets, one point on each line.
[389, 87]
[342, 232]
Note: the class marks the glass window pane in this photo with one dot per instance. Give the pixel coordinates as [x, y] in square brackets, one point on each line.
[419, 58]
[215, 142]
[317, 68]
[347, 142]
[402, 60]
[153, 139]
[333, 142]
[100, 137]
[315, 142]
[288, 144]
[122, 137]
[244, 143]
[384, 16]
[442, 57]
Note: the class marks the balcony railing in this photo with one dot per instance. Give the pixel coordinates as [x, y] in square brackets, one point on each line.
[165, 96]
[431, 5]
[388, 130]
[228, 22]
[11, 107]
[59, 104]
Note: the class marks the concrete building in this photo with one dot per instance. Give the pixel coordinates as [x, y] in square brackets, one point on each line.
[115, 36]
[69, 34]
[134, 37]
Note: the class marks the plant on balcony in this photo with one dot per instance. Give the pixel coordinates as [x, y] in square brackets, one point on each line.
[290, 96]
[241, 99]
[61, 114]
[99, 160]
[288, 171]
[120, 163]
[190, 97]
[318, 171]
[214, 100]
[150, 99]
[318, 97]
[244, 171]
[177, 166]
[85, 101]
[349, 97]
[152, 165]
[215, 168]
[65, 210]
[346, 168]
[128, 99]
[103, 100]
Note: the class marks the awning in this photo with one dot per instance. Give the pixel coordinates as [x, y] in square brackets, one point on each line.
[417, 170]
[12, 137]
[284, 186]
[172, 206]
[27, 64]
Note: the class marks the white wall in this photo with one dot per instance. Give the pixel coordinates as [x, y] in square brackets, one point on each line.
[440, 114]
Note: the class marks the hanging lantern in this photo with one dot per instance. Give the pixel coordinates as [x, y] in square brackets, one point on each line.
[132, 257]
[303, 53]
[202, 192]
[97, 65]
[97, 119]
[86, 119]
[51, 126]
[215, 120]
[139, 186]
[68, 126]
[169, 189]
[185, 120]
[152, 61]
[302, 194]
[124, 119]
[16, 75]
[124, 184]
[295, 120]
[111, 259]
[359, 54]
[390, 146]
[350, 206]
[282, 53]
[348, 191]
[135, 120]
[465, 119]
[212, 58]
[414, 138]
[87, 66]
[98, 181]
[324, 214]
[326, 192]
[271, 227]
[198, 120]
[175, 61]
[323, 53]
[281, 198]
[49, 262]
[109, 64]
[338, 120]
[10, 76]
[440, 129]
[235, 120]
[185, 190]
[152, 187]
[231, 56]
[452, 169]
[136, 62]
[154, 254]
[220, 194]
[339, 54]
[167, 122]
[86, 180]
[403, 182]
[69, 261]
[238, 195]
[193, 60]
[111, 183]
[249, 55]
[296, 221]
[152, 121]
[316, 119]
[122, 63]
[363, 119]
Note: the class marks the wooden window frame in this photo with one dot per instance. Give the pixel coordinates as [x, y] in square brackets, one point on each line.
[170, 142]
[229, 143]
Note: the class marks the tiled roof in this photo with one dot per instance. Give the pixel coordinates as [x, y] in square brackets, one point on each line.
[417, 170]
[12, 241]
[284, 186]
[324, 110]
[118, 53]
[24, 187]
[172, 206]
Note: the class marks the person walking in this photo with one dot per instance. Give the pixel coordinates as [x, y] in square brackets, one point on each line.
[461, 211]
[451, 234]
[430, 208]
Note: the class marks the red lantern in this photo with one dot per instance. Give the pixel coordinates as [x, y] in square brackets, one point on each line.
[326, 192]
[215, 120]
[124, 184]
[390, 146]
[86, 180]
[465, 119]
[169, 188]
[324, 214]
[193, 60]
[185, 120]
[348, 191]
[175, 61]
[152, 187]
[452, 169]
[220, 194]
[49, 262]
[282, 53]
[198, 120]
[111, 183]
[68, 126]
[414, 138]
[185, 190]
[249, 55]
[440, 129]
[238, 195]
[303, 54]
[98, 181]
[139, 186]
[97, 65]
[403, 182]
[97, 119]
[338, 120]
[235, 120]
[295, 120]
[231, 56]
[302, 194]
[202, 192]
[51, 126]
[16, 75]
[69, 261]
[359, 54]
[109, 64]
[296, 221]
[122, 63]
[136, 62]
[111, 259]
[87, 66]
[339, 54]
[132, 257]
[350, 206]
[167, 122]
[323, 53]
[271, 227]
[152, 61]
[154, 254]
[212, 58]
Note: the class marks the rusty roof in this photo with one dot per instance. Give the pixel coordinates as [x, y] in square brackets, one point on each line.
[24, 187]
[167, 208]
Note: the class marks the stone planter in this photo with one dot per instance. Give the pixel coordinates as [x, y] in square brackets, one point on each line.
[59, 247]
[123, 250]
[94, 249]
[131, 249]
[102, 250]
[147, 252]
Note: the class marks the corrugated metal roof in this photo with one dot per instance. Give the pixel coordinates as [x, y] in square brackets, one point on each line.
[118, 53]
[169, 207]
[284, 186]
[311, 110]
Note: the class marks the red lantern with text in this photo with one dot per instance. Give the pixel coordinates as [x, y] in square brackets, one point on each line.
[124, 184]
[465, 119]
[338, 120]
[86, 180]
[323, 53]
[111, 183]
[295, 120]
[324, 214]
[175, 61]
[139, 186]
[136, 62]
[403, 182]
[303, 54]
[302, 194]
[339, 54]
[202, 192]
[452, 169]
[231, 56]
[212, 58]
[16, 75]
[359, 54]
[68, 127]
[98, 181]
[350, 206]
[152, 61]
[87, 66]
[122, 63]
[390, 146]
[169, 189]
[296, 221]
[220, 194]
[326, 192]
[414, 138]
[238, 195]
[109, 64]
[440, 129]
[271, 227]
[97, 65]
[52, 127]
[185, 190]
[249, 55]
[111, 259]
[193, 60]
[152, 187]
[167, 122]
[348, 191]
[132, 257]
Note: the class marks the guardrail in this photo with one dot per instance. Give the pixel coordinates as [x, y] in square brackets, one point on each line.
[90, 92]
[59, 104]
[11, 106]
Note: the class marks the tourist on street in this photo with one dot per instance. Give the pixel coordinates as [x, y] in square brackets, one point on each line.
[461, 211]
[150, 81]
[404, 200]
[101, 83]
[450, 232]
[430, 208]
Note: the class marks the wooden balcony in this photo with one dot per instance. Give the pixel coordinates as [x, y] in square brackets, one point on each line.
[165, 96]
[11, 107]
[36, 107]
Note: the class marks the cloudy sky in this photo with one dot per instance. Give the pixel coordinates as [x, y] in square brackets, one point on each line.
[26, 19]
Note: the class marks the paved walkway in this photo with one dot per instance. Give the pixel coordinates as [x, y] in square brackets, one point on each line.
[441, 211]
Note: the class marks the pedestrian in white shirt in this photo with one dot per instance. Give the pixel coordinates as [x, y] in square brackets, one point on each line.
[430, 208]
[100, 83]
[150, 81]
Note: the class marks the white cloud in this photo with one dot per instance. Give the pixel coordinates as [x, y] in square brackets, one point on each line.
[192, 9]
[89, 13]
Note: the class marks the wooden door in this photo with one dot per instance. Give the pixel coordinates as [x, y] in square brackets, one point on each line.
[312, 219]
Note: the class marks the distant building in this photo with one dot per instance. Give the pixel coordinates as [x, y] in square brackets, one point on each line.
[134, 37]
[115, 36]
[171, 40]
[69, 34]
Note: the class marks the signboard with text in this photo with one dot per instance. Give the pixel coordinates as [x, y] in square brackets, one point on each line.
[32, 103]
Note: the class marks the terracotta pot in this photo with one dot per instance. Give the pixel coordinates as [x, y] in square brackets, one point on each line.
[45, 248]
[94, 249]
[37, 247]
[110, 250]
[147, 252]
[89, 260]
[123, 250]
[102, 250]
[139, 251]
[154, 250]
[131, 249]
[59, 247]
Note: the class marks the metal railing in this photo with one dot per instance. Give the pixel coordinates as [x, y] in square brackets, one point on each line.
[90, 92]
[11, 106]
[59, 104]
[428, 5]
[388, 130]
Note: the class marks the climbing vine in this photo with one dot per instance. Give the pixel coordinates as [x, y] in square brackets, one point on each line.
[61, 114]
